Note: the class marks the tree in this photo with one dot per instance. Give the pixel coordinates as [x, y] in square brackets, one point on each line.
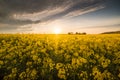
[84, 33]
[70, 33]
[76, 33]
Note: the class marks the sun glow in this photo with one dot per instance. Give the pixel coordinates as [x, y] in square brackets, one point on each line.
[57, 30]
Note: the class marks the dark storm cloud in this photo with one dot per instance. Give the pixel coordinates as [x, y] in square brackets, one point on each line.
[60, 8]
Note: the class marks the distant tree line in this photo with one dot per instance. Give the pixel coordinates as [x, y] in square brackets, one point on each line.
[112, 32]
[77, 33]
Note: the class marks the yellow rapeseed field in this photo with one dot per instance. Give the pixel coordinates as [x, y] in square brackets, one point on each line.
[59, 57]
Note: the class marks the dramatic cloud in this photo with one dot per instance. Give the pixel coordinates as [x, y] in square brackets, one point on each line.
[103, 26]
[23, 12]
[24, 15]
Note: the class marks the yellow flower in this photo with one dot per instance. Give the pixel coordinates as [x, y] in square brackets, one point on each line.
[61, 73]
[39, 60]
[76, 54]
[1, 62]
[33, 73]
[59, 65]
[22, 75]
[29, 63]
[119, 75]
[14, 70]
[74, 61]
[35, 57]
[62, 76]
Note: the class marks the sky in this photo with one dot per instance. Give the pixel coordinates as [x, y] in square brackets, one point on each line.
[44, 16]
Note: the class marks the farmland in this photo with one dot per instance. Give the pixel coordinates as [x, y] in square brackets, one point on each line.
[59, 57]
